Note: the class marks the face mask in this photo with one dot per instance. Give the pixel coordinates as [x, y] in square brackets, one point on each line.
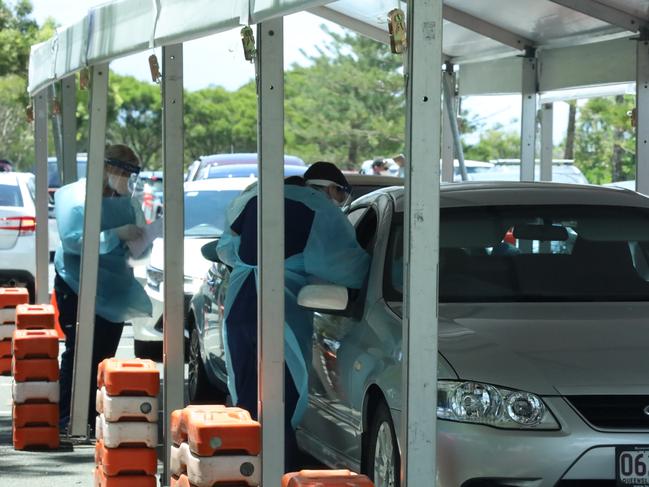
[119, 184]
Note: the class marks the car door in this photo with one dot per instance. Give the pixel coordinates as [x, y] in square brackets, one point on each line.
[339, 363]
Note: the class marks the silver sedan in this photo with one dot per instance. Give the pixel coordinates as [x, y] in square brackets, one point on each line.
[543, 326]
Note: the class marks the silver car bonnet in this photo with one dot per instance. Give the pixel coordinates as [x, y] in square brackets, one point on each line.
[549, 348]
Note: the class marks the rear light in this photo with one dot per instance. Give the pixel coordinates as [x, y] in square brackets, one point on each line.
[26, 225]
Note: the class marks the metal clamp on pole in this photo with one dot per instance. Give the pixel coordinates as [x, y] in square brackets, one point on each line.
[154, 66]
[248, 42]
[397, 30]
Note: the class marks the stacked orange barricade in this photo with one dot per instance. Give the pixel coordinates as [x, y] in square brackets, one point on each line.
[9, 298]
[325, 478]
[126, 428]
[214, 445]
[35, 386]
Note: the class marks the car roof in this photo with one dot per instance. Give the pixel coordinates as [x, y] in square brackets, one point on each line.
[12, 178]
[373, 180]
[244, 158]
[455, 195]
[219, 184]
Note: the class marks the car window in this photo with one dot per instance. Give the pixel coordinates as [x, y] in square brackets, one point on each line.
[10, 195]
[205, 212]
[534, 254]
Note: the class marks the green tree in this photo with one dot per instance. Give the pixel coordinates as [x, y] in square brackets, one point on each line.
[16, 136]
[605, 140]
[137, 111]
[494, 143]
[348, 104]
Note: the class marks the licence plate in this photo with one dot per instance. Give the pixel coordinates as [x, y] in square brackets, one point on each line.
[632, 465]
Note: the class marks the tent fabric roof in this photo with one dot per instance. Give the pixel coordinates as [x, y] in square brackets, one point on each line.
[571, 37]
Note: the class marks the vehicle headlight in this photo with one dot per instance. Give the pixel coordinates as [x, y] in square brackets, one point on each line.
[475, 402]
[192, 284]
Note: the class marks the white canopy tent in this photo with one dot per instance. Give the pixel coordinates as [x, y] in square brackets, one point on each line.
[530, 47]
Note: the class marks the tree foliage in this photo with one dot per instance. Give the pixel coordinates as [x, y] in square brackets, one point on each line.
[605, 140]
[348, 104]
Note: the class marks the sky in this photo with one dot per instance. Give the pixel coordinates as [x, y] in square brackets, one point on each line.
[218, 60]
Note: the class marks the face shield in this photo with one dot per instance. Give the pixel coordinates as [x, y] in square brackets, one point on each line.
[122, 176]
[341, 196]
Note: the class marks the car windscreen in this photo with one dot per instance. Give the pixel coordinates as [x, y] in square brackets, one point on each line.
[10, 195]
[205, 212]
[535, 254]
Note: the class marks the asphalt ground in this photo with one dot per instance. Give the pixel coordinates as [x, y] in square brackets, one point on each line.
[71, 464]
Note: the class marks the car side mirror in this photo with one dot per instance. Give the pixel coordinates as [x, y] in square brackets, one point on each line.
[209, 251]
[327, 297]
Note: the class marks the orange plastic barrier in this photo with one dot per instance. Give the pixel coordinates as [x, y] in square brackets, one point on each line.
[103, 480]
[57, 325]
[127, 377]
[35, 344]
[5, 348]
[179, 421]
[217, 429]
[10, 297]
[27, 370]
[325, 478]
[35, 415]
[34, 316]
[36, 437]
[126, 460]
[5, 366]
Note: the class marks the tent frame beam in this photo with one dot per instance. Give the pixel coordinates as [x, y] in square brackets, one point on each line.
[605, 13]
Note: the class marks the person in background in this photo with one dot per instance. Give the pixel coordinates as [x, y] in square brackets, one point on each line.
[400, 161]
[119, 295]
[320, 244]
[379, 167]
[6, 165]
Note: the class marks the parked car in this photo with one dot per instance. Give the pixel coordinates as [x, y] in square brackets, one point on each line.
[205, 205]
[207, 375]
[541, 368]
[563, 171]
[149, 190]
[200, 167]
[17, 231]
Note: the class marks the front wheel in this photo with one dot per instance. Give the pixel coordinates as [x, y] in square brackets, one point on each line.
[383, 460]
[200, 388]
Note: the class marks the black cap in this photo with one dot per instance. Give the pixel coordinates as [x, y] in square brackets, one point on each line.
[326, 171]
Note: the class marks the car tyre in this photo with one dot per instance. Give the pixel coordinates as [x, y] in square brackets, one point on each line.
[200, 388]
[383, 459]
[151, 350]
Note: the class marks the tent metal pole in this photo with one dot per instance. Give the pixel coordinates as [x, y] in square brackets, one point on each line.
[42, 252]
[528, 116]
[451, 116]
[90, 252]
[421, 243]
[173, 314]
[69, 128]
[448, 141]
[270, 245]
[547, 119]
[642, 114]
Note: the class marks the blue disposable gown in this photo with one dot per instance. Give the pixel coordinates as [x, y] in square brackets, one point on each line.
[331, 254]
[119, 295]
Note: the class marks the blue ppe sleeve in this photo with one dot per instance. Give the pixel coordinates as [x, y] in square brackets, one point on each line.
[332, 252]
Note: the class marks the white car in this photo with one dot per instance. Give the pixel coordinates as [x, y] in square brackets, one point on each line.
[17, 231]
[205, 204]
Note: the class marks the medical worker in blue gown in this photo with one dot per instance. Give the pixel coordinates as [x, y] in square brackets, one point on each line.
[320, 245]
[119, 295]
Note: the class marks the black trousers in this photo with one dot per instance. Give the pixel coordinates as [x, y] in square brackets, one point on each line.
[106, 341]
